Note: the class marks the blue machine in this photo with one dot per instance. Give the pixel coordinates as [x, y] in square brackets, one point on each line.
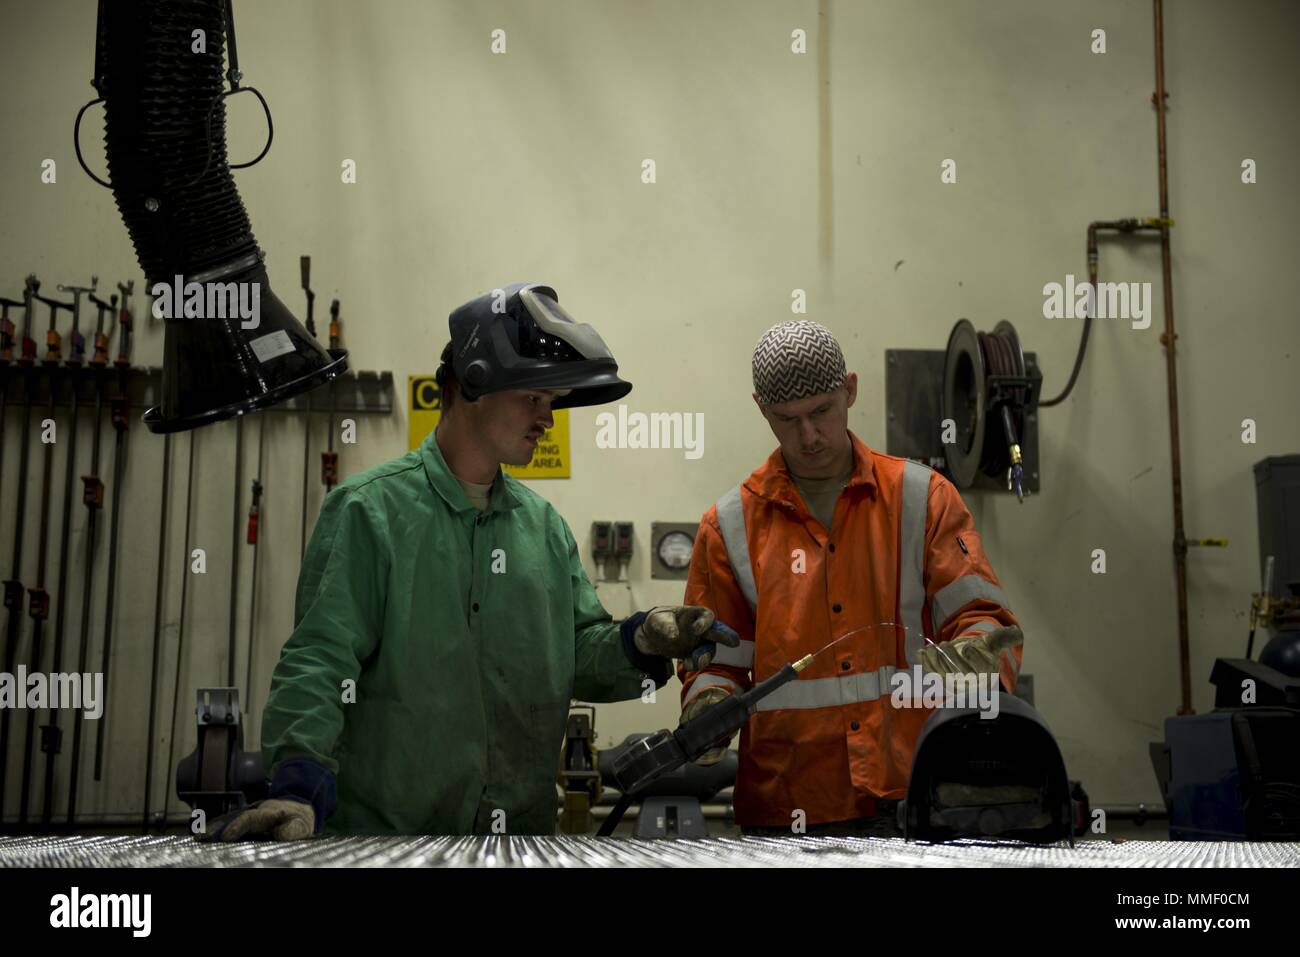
[1234, 774]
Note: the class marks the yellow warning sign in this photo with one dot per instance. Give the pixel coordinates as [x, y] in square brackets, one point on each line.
[551, 460]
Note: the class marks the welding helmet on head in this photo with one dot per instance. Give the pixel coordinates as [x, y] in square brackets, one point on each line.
[518, 337]
[975, 776]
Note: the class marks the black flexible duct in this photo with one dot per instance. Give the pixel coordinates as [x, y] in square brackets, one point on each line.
[157, 97]
[165, 140]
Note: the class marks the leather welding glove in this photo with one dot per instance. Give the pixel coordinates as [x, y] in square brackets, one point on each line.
[280, 819]
[701, 702]
[972, 654]
[688, 632]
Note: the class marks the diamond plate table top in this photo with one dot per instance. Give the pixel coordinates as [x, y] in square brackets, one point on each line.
[550, 852]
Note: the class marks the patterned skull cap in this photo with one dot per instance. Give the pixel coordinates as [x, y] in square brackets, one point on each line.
[796, 359]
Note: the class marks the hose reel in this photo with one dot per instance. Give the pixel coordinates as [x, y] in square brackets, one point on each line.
[988, 394]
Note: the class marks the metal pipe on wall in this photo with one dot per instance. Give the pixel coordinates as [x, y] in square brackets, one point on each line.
[1168, 338]
[1155, 225]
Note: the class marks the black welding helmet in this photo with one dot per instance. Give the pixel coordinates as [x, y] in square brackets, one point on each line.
[518, 337]
[975, 776]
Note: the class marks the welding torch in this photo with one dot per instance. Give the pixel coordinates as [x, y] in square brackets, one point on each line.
[665, 750]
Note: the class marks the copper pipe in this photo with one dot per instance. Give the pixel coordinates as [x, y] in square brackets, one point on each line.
[1169, 339]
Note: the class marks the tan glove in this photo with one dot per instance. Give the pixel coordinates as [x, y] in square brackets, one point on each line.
[278, 819]
[972, 654]
[707, 699]
[679, 631]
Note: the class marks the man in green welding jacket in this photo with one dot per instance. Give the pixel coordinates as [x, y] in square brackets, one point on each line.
[443, 617]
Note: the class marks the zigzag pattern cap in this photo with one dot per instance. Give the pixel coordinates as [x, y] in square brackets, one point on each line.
[796, 359]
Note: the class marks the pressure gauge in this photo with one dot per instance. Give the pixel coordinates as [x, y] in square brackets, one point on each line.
[675, 550]
[671, 543]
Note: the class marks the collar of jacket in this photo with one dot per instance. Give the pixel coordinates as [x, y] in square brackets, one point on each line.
[772, 480]
[444, 482]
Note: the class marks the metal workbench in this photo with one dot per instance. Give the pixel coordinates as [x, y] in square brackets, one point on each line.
[551, 852]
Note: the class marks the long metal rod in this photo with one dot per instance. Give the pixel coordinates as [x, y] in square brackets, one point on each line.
[255, 528]
[305, 264]
[159, 591]
[307, 460]
[14, 590]
[73, 362]
[1169, 339]
[120, 416]
[329, 458]
[180, 630]
[51, 735]
[234, 551]
[93, 500]
[38, 605]
[4, 417]
[7, 331]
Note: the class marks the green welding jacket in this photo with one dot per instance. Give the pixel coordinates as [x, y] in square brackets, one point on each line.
[435, 652]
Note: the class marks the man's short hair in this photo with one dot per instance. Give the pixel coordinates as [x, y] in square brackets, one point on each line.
[446, 377]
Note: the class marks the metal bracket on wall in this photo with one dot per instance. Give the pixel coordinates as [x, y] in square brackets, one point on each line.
[914, 411]
[358, 392]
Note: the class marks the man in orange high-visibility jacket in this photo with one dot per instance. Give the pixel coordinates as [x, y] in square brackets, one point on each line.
[830, 538]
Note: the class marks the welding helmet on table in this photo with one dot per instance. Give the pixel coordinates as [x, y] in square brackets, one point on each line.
[988, 777]
[518, 337]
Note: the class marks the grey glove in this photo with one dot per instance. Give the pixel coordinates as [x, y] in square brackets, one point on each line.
[278, 819]
[707, 699]
[678, 631]
[972, 654]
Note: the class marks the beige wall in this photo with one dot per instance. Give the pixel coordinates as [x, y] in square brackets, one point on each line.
[475, 170]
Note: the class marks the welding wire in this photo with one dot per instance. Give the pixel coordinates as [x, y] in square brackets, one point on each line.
[946, 657]
[833, 643]
[879, 625]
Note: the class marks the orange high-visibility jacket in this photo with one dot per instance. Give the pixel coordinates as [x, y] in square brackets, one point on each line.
[903, 550]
